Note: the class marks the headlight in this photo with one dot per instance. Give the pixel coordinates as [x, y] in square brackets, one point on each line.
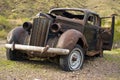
[55, 27]
[27, 26]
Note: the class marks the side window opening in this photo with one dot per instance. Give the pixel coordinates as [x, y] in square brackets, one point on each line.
[93, 20]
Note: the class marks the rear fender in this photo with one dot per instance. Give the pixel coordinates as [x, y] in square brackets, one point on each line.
[70, 38]
[17, 35]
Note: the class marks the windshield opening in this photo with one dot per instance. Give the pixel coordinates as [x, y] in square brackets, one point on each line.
[73, 14]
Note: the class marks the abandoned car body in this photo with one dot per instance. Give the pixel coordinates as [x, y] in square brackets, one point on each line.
[67, 34]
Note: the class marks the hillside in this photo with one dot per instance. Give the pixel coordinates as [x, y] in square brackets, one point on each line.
[15, 12]
[25, 8]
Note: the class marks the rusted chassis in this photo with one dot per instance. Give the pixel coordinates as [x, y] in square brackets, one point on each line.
[18, 36]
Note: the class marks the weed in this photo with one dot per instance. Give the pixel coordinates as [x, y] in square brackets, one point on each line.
[113, 55]
[3, 34]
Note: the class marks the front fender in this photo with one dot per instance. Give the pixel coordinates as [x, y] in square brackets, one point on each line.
[69, 39]
[17, 35]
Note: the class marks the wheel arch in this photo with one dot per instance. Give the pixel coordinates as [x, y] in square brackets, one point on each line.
[82, 42]
[70, 38]
[17, 35]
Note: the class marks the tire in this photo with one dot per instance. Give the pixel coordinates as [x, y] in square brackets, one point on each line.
[10, 54]
[13, 37]
[74, 60]
[15, 55]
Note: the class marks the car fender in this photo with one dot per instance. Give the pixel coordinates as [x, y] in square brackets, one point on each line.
[17, 35]
[70, 38]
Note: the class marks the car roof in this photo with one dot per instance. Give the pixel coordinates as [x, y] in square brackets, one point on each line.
[75, 9]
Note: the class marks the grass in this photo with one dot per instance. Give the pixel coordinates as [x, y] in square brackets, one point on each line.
[3, 20]
[117, 30]
[3, 34]
[17, 11]
[35, 69]
[14, 13]
[21, 70]
[113, 55]
[4, 23]
[4, 27]
[7, 24]
[22, 8]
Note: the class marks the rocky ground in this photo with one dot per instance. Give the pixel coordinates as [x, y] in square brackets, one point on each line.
[94, 68]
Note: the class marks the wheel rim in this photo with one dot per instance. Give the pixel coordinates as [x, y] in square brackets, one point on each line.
[75, 60]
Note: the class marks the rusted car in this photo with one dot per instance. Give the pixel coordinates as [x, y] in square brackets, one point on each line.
[67, 34]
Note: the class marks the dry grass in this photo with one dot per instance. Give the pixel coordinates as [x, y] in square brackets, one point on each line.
[94, 68]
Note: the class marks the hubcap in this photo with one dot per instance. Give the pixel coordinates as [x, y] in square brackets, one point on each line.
[75, 60]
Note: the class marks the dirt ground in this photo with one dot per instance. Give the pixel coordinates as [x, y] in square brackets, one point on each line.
[94, 68]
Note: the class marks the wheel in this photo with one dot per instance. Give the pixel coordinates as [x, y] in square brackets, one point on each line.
[74, 60]
[17, 36]
[10, 54]
[15, 55]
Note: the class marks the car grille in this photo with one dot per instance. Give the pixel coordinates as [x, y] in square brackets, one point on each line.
[40, 31]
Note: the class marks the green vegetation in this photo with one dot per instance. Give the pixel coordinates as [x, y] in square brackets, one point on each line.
[22, 8]
[7, 24]
[3, 34]
[117, 31]
[107, 67]
[113, 55]
[15, 12]
[4, 26]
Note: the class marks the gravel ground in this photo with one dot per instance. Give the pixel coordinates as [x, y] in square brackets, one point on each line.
[94, 68]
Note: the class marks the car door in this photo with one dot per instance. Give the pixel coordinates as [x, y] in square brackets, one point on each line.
[91, 31]
[108, 31]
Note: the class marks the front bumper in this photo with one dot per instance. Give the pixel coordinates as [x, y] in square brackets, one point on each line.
[57, 51]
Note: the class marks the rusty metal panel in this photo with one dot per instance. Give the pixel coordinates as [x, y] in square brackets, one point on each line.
[67, 23]
[40, 31]
[69, 39]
